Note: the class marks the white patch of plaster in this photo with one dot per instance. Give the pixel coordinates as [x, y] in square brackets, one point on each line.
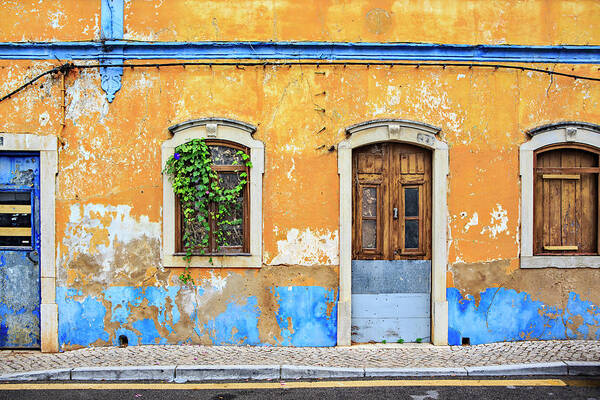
[44, 118]
[218, 283]
[291, 148]
[472, 222]
[393, 95]
[498, 222]
[433, 97]
[55, 19]
[460, 76]
[307, 248]
[289, 173]
[85, 98]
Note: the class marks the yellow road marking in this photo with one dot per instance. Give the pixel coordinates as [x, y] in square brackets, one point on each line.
[292, 385]
[584, 383]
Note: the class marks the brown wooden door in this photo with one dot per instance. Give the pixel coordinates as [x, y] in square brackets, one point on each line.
[392, 202]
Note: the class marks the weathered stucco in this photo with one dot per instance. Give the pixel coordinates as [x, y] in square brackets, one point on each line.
[109, 185]
[438, 21]
[109, 182]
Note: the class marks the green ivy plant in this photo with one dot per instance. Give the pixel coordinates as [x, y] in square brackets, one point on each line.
[197, 186]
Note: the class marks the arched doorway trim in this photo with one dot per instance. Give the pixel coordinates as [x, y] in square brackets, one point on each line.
[419, 134]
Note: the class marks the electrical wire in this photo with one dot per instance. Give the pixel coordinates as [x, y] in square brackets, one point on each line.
[65, 68]
[61, 68]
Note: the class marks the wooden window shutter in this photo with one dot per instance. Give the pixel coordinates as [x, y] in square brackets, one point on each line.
[566, 201]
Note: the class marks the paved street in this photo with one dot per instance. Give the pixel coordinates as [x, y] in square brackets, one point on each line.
[440, 389]
[390, 356]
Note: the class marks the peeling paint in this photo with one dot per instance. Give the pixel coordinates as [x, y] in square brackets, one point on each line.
[498, 222]
[472, 222]
[507, 315]
[156, 315]
[307, 248]
[109, 184]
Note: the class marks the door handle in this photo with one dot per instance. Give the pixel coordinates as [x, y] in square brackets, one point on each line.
[395, 213]
[34, 256]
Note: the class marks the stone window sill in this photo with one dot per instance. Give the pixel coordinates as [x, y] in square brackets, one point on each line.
[248, 261]
[560, 262]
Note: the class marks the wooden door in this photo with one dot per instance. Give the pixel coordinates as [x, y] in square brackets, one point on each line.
[391, 244]
[392, 202]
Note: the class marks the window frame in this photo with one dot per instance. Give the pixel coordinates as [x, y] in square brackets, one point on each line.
[214, 131]
[568, 134]
[245, 248]
[536, 177]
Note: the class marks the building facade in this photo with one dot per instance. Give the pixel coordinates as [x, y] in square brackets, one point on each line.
[416, 172]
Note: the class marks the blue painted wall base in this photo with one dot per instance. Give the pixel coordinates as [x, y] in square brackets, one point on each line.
[507, 315]
[305, 316]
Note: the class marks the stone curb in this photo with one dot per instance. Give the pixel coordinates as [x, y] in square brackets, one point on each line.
[63, 374]
[144, 372]
[550, 368]
[184, 373]
[381, 372]
[588, 368]
[308, 372]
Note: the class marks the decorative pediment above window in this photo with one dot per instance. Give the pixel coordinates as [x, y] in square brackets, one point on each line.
[232, 123]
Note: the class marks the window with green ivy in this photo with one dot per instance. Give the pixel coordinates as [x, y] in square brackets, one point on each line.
[231, 236]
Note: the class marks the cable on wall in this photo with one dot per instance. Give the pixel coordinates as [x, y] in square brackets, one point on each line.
[65, 68]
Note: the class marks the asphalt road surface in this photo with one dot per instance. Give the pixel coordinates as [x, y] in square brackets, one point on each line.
[414, 389]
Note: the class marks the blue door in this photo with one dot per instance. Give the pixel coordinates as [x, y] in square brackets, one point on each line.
[19, 250]
[391, 244]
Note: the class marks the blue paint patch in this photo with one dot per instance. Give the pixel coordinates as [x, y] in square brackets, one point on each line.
[79, 322]
[326, 51]
[159, 297]
[303, 316]
[307, 317]
[122, 299]
[508, 315]
[589, 314]
[237, 325]
[148, 331]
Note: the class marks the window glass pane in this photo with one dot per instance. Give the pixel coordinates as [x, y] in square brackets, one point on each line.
[369, 202]
[232, 226]
[411, 202]
[15, 219]
[223, 155]
[411, 234]
[369, 234]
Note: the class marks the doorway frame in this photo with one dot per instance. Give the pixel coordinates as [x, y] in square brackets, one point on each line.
[47, 147]
[418, 134]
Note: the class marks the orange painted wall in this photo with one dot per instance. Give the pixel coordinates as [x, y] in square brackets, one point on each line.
[532, 22]
[109, 185]
[49, 20]
[111, 151]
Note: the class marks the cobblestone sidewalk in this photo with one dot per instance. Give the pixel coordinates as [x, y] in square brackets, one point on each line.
[384, 356]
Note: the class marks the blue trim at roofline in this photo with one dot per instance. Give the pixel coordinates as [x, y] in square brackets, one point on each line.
[326, 51]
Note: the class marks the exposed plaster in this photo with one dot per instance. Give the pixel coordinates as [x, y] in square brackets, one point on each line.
[498, 222]
[307, 248]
